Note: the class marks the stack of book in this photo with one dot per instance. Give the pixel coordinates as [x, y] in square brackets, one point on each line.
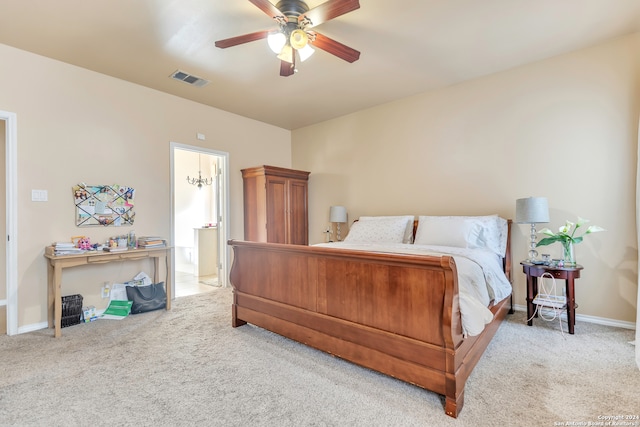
[151, 242]
[66, 248]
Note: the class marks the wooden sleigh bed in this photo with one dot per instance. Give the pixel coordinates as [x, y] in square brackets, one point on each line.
[398, 314]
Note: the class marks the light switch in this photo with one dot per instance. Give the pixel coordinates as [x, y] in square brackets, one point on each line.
[39, 195]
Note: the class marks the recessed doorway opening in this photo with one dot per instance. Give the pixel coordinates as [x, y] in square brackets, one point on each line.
[199, 219]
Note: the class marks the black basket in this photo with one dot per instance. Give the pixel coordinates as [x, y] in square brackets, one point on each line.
[71, 310]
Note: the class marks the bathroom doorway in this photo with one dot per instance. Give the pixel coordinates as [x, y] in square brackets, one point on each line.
[199, 219]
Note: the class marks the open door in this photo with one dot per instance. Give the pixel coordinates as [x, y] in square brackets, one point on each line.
[3, 249]
[9, 295]
[220, 209]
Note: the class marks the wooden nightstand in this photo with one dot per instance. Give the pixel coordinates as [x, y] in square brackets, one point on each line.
[568, 274]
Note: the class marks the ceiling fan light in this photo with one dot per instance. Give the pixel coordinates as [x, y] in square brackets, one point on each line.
[298, 39]
[286, 54]
[306, 52]
[276, 41]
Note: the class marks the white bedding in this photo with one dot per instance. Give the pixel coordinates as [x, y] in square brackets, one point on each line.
[480, 277]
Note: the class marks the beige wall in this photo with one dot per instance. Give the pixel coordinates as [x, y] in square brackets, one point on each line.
[564, 128]
[77, 126]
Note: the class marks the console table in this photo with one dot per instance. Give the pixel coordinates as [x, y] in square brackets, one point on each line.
[569, 274]
[57, 263]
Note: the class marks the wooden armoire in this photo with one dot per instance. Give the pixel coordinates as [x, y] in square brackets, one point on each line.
[276, 205]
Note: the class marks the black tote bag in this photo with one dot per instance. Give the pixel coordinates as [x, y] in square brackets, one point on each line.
[147, 298]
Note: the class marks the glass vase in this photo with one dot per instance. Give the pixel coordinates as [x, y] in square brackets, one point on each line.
[568, 255]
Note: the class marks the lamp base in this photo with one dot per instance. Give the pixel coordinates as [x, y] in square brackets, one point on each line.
[533, 254]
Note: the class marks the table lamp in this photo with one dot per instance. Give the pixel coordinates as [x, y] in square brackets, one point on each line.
[532, 210]
[338, 214]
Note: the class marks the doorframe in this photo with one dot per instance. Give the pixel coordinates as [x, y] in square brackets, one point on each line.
[11, 171]
[223, 216]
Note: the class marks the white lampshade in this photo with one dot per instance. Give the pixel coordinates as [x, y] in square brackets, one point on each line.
[276, 42]
[286, 54]
[338, 214]
[532, 210]
[305, 52]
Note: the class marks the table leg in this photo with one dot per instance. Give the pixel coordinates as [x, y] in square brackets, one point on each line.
[50, 294]
[169, 269]
[156, 275]
[571, 304]
[57, 297]
[532, 291]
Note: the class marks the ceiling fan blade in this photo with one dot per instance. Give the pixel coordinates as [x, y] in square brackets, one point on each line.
[329, 10]
[267, 7]
[234, 41]
[288, 69]
[335, 48]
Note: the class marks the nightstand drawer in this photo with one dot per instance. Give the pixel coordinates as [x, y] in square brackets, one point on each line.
[564, 274]
[558, 274]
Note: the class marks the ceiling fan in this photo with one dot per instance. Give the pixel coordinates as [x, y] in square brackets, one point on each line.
[295, 35]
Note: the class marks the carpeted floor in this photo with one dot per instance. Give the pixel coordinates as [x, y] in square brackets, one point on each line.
[189, 366]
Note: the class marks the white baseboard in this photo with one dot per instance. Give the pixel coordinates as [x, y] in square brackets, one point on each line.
[33, 327]
[590, 319]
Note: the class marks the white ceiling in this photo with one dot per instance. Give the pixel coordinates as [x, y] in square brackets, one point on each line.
[407, 47]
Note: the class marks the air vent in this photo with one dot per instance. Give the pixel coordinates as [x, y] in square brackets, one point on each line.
[189, 79]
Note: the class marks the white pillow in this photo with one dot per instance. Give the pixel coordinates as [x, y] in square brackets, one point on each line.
[390, 230]
[447, 231]
[408, 233]
[489, 231]
[494, 233]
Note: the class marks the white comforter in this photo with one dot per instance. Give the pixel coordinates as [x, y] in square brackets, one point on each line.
[480, 277]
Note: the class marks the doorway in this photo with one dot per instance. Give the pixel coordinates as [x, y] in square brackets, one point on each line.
[199, 224]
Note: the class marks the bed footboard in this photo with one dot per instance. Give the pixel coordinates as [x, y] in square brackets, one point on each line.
[397, 314]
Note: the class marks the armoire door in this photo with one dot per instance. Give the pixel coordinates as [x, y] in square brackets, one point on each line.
[277, 207]
[298, 227]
